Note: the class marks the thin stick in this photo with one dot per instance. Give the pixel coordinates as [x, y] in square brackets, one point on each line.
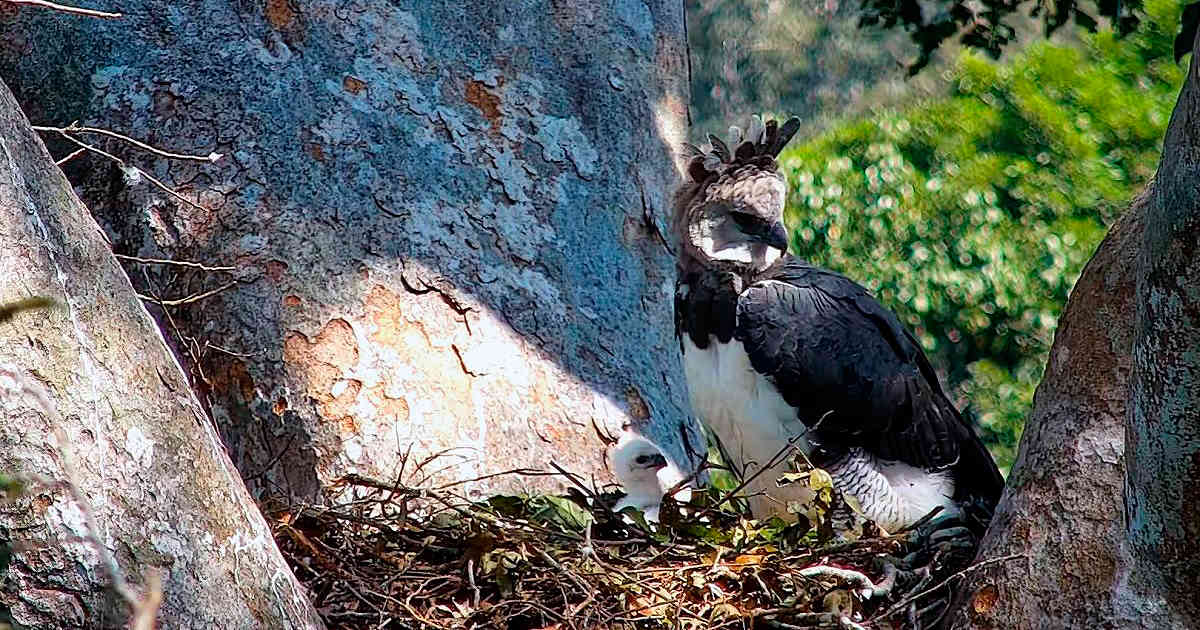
[45, 4]
[74, 154]
[728, 496]
[75, 128]
[189, 299]
[122, 163]
[177, 263]
[979, 565]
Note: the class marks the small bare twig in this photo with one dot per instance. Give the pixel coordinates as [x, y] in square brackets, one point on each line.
[76, 128]
[899, 606]
[140, 172]
[71, 156]
[176, 263]
[775, 460]
[45, 4]
[189, 299]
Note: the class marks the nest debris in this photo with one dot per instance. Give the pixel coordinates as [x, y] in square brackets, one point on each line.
[403, 557]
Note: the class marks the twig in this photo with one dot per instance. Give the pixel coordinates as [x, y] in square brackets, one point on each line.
[778, 457]
[176, 263]
[189, 299]
[71, 156]
[524, 472]
[559, 567]
[122, 164]
[936, 587]
[45, 4]
[796, 614]
[75, 128]
[919, 522]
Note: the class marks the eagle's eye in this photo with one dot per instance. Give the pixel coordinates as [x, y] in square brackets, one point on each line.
[747, 223]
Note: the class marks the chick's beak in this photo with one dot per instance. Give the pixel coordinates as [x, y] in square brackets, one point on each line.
[777, 237]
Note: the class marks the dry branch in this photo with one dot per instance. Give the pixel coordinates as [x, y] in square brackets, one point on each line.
[45, 4]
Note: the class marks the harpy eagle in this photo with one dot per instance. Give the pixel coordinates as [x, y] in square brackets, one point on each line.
[778, 349]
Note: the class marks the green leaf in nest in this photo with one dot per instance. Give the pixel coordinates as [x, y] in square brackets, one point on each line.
[559, 511]
[508, 505]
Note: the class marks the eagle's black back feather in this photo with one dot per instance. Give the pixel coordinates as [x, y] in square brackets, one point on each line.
[856, 376]
[707, 307]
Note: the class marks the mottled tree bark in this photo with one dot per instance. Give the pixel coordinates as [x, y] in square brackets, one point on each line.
[1102, 500]
[447, 220]
[165, 495]
[1160, 559]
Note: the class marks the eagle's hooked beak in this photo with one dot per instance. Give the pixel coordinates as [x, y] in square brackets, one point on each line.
[777, 237]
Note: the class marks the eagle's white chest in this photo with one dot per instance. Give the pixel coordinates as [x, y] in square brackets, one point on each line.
[743, 409]
[753, 422]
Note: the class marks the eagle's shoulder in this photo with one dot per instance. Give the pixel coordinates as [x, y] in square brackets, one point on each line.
[706, 306]
[795, 287]
[854, 374]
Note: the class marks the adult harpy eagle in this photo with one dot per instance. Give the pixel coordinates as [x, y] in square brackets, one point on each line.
[777, 349]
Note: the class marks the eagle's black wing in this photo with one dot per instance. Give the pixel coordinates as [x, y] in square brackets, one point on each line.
[856, 376]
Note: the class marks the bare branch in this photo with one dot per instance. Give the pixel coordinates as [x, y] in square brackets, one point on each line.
[61, 131]
[979, 565]
[189, 299]
[75, 128]
[74, 154]
[45, 4]
[176, 263]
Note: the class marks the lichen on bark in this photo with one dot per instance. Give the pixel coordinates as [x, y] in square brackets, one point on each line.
[165, 496]
[477, 191]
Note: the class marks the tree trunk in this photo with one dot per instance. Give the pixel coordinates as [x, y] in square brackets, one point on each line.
[1102, 498]
[446, 220]
[166, 498]
[1160, 559]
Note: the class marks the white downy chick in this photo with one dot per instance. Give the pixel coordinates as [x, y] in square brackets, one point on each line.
[645, 475]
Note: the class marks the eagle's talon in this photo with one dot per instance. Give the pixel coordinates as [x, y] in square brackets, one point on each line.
[951, 534]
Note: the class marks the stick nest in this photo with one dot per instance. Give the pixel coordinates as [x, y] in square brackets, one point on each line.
[404, 557]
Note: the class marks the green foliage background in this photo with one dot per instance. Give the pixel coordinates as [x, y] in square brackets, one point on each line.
[807, 58]
[972, 215]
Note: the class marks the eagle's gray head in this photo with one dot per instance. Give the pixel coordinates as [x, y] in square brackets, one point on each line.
[729, 215]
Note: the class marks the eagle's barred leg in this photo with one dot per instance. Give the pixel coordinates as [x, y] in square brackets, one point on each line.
[856, 473]
[895, 495]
